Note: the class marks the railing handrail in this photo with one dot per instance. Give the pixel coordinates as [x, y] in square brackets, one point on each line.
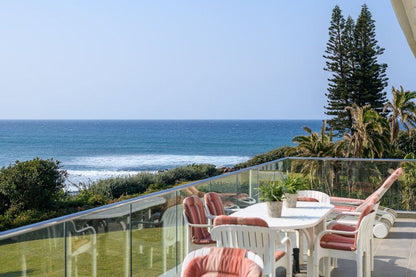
[51, 222]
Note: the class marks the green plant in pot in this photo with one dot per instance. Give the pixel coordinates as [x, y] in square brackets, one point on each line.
[291, 185]
[272, 193]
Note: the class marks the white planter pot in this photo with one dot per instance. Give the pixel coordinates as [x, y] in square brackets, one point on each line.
[289, 200]
[274, 209]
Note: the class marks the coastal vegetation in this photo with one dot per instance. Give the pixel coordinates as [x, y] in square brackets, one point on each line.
[33, 190]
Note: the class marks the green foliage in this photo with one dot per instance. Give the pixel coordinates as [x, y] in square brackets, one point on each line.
[338, 56]
[275, 154]
[271, 191]
[402, 110]
[33, 184]
[115, 187]
[316, 144]
[408, 188]
[406, 142]
[357, 76]
[370, 136]
[291, 184]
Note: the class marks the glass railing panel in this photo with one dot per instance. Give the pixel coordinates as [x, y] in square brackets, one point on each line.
[156, 243]
[98, 244]
[36, 253]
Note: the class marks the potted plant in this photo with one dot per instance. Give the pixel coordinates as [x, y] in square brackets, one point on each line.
[272, 194]
[291, 185]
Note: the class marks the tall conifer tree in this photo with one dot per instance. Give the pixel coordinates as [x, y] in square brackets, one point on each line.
[369, 75]
[357, 76]
[337, 62]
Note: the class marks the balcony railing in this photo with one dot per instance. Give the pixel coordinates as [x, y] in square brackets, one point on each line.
[146, 236]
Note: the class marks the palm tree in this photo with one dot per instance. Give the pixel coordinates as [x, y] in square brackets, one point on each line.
[314, 144]
[368, 138]
[403, 109]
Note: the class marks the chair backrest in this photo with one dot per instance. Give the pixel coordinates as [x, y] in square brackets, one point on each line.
[365, 225]
[313, 196]
[195, 213]
[389, 181]
[386, 184]
[247, 233]
[214, 203]
[234, 220]
[171, 219]
[222, 262]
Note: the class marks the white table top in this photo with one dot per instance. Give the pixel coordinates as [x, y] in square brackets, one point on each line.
[305, 215]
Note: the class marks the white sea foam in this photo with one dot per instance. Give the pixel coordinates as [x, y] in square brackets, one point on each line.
[151, 161]
[95, 168]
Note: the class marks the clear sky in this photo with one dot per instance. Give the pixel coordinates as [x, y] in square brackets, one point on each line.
[177, 59]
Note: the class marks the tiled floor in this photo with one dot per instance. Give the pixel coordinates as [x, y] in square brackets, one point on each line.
[394, 256]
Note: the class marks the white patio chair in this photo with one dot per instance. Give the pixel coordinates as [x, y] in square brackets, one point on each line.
[355, 245]
[85, 242]
[251, 256]
[385, 217]
[196, 220]
[254, 234]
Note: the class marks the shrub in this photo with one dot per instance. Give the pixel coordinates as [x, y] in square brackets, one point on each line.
[32, 185]
[116, 187]
[275, 154]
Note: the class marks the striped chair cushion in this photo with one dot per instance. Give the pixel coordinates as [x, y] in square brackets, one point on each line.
[194, 211]
[232, 220]
[224, 262]
[214, 203]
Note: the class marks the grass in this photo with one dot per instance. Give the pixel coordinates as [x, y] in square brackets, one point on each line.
[45, 257]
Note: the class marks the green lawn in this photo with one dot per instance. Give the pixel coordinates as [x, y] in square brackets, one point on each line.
[45, 257]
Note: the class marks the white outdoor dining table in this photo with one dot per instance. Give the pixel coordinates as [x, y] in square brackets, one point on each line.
[307, 217]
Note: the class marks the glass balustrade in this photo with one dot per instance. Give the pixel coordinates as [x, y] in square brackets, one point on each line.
[146, 236]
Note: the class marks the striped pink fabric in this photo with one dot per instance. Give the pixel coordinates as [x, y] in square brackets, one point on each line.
[223, 262]
[194, 211]
[345, 242]
[214, 203]
[379, 192]
[233, 220]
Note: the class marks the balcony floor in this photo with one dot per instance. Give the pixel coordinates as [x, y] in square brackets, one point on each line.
[394, 255]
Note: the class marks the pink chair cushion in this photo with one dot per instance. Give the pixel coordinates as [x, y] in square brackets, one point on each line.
[232, 220]
[307, 199]
[194, 211]
[214, 203]
[343, 227]
[338, 242]
[223, 262]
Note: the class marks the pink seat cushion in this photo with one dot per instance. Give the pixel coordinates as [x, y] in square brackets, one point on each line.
[279, 254]
[343, 227]
[232, 220]
[338, 242]
[194, 211]
[307, 199]
[223, 262]
[214, 203]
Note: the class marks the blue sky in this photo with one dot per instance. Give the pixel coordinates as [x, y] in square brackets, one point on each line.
[177, 59]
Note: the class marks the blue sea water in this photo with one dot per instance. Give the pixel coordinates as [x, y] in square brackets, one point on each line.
[94, 149]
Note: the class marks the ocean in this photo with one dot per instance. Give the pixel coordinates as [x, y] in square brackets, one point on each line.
[94, 149]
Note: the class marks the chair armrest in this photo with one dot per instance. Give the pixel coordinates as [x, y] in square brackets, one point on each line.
[345, 200]
[321, 234]
[231, 210]
[343, 214]
[201, 225]
[211, 217]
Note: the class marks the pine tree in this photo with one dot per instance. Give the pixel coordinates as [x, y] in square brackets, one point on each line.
[339, 63]
[369, 75]
[357, 76]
